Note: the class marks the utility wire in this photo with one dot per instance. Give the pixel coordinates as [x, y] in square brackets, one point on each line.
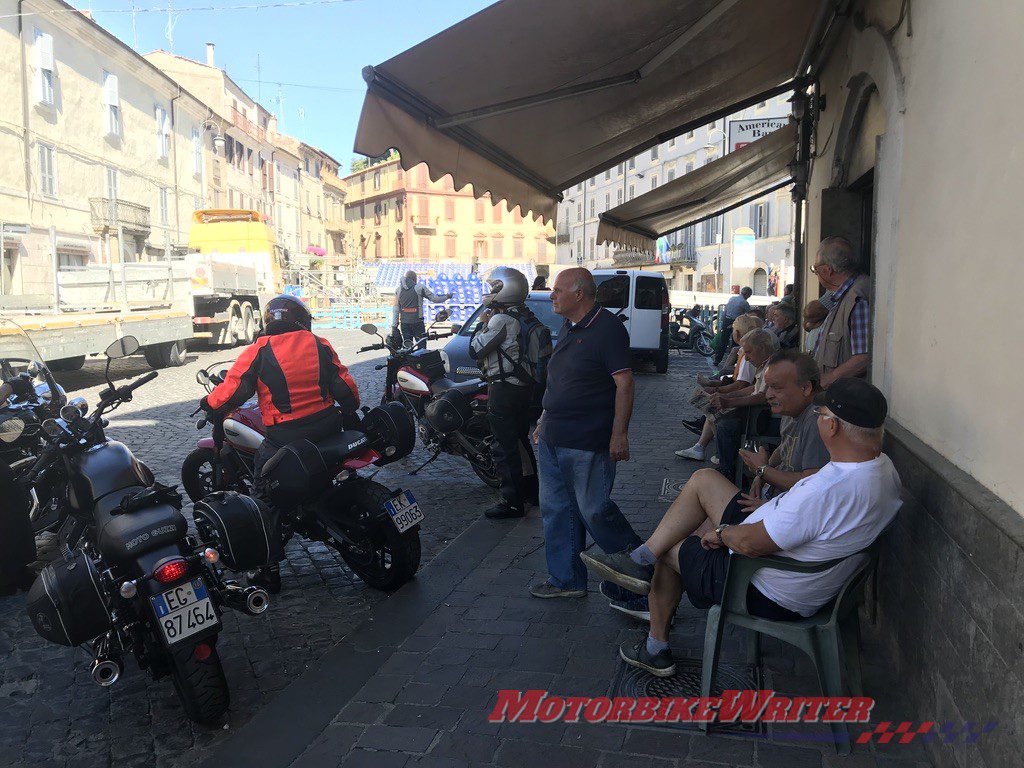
[193, 9]
[301, 85]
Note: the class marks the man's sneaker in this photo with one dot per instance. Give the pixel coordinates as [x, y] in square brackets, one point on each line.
[624, 601]
[620, 568]
[503, 511]
[693, 452]
[636, 655]
[547, 591]
[695, 425]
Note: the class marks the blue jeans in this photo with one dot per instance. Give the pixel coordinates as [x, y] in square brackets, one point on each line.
[727, 435]
[575, 499]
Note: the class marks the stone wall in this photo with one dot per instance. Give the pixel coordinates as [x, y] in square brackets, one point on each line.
[951, 604]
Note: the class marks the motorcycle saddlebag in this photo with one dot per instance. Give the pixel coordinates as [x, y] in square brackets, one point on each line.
[295, 473]
[242, 529]
[66, 603]
[448, 413]
[392, 431]
[428, 362]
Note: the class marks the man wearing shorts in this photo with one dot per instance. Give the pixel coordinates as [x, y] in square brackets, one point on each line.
[831, 514]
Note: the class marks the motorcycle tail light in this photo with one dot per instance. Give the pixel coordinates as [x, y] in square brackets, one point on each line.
[202, 652]
[172, 570]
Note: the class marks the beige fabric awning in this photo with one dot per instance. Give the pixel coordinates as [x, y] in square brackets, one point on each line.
[738, 177]
[528, 97]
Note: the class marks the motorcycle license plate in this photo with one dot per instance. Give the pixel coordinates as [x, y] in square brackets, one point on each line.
[184, 610]
[404, 510]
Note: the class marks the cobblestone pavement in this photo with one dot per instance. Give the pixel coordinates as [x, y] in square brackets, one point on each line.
[425, 702]
[51, 714]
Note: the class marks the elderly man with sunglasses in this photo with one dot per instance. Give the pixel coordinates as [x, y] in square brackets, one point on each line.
[834, 513]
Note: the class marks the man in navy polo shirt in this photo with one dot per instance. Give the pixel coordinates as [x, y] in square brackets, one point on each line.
[581, 434]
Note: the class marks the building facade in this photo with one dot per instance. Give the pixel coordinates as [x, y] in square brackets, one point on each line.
[101, 154]
[397, 214]
[697, 258]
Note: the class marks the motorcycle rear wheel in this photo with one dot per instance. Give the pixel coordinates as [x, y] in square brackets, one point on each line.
[201, 686]
[384, 559]
[487, 473]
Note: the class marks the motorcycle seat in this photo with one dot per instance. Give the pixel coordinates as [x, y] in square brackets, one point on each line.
[124, 535]
[468, 387]
[337, 448]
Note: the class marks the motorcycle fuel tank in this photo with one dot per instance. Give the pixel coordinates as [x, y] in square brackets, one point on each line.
[241, 435]
[410, 381]
[104, 469]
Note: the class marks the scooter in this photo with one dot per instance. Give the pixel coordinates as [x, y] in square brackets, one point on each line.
[696, 336]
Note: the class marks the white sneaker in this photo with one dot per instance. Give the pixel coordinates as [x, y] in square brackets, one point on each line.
[693, 452]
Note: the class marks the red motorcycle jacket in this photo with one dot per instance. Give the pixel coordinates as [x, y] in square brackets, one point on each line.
[295, 375]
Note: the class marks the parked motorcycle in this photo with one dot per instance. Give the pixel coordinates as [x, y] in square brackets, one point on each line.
[451, 416]
[130, 579]
[694, 336]
[314, 489]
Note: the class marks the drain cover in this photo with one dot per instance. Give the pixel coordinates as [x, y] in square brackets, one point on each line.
[670, 489]
[630, 681]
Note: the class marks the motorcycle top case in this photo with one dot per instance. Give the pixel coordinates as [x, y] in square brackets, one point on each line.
[390, 426]
[449, 413]
[66, 603]
[295, 473]
[243, 529]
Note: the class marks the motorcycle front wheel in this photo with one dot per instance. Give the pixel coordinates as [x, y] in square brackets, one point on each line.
[703, 346]
[201, 686]
[197, 476]
[381, 556]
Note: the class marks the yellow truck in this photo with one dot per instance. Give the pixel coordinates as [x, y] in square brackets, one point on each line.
[213, 293]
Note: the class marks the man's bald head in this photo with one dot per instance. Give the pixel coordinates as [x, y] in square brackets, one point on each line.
[573, 293]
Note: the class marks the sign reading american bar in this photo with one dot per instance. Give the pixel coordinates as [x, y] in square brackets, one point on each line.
[742, 132]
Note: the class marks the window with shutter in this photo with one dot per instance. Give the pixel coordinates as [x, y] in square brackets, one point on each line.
[47, 171]
[112, 102]
[423, 207]
[44, 64]
[496, 249]
[449, 247]
[449, 209]
[113, 191]
[496, 214]
[480, 210]
[425, 248]
[517, 249]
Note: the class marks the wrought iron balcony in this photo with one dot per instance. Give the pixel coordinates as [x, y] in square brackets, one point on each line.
[108, 214]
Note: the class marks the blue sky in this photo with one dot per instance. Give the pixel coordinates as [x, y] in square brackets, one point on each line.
[316, 45]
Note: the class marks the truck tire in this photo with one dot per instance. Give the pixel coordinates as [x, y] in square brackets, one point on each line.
[67, 364]
[231, 333]
[249, 328]
[169, 354]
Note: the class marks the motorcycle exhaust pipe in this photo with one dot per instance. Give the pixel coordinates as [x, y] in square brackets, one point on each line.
[105, 672]
[250, 600]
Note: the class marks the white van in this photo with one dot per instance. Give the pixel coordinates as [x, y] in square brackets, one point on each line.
[640, 300]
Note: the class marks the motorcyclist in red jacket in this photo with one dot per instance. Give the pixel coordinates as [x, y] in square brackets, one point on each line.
[297, 379]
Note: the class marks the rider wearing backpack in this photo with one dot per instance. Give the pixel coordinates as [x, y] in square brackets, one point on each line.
[509, 351]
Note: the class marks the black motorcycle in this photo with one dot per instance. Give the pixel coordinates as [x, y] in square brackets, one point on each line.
[451, 416]
[130, 578]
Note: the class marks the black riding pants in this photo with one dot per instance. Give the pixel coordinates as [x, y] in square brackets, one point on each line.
[508, 411]
[17, 544]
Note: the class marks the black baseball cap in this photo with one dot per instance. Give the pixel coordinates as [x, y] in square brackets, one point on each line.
[855, 401]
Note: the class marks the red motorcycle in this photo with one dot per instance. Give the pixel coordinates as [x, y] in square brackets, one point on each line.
[315, 489]
[451, 416]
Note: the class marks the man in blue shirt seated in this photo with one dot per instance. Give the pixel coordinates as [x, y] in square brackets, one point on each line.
[582, 433]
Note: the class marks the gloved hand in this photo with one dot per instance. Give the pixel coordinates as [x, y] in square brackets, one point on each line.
[22, 386]
[204, 404]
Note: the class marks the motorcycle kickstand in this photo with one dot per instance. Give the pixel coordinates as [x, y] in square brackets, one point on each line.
[425, 463]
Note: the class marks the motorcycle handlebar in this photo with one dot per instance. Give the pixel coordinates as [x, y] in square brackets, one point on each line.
[140, 381]
[372, 347]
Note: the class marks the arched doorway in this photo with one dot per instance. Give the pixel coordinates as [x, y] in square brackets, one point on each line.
[759, 282]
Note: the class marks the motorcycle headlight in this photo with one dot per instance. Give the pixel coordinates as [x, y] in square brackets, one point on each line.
[11, 429]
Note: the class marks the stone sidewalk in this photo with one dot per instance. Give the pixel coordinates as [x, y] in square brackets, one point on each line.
[413, 685]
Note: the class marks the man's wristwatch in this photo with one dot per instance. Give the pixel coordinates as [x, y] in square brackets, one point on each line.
[718, 532]
[759, 472]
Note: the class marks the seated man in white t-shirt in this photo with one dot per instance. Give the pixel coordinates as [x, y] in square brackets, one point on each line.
[834, 513]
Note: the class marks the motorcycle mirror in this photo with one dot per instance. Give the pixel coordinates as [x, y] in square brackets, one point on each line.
[203, 377]
[441, 316]
[368, 328]
[123, 347]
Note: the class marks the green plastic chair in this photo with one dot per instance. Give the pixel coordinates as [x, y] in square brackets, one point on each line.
[831, 637]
